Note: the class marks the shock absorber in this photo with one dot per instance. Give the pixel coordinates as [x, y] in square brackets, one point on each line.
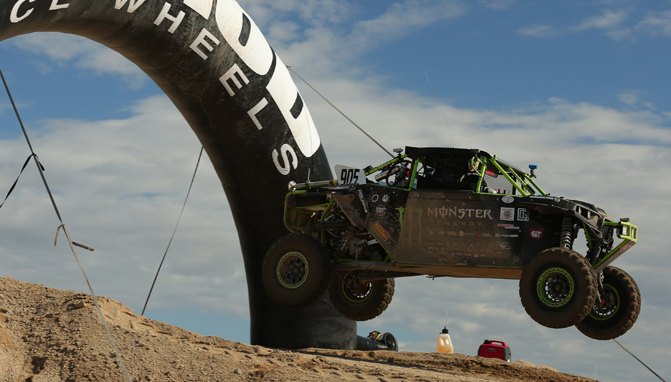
[566, 238]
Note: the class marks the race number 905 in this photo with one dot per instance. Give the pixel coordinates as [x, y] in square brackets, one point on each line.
[349, 175]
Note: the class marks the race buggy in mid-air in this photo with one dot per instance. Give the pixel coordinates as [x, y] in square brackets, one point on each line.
[452, 212]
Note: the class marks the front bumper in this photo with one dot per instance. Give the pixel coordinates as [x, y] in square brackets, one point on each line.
[628, 233]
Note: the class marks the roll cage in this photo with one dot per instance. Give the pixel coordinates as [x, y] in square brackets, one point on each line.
[454, 169]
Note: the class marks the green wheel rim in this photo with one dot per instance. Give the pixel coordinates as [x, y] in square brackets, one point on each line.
[555, 287]
[610, 304]
[354, 290]
[292, 270]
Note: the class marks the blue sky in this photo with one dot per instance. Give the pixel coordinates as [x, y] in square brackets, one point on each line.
[579, 87]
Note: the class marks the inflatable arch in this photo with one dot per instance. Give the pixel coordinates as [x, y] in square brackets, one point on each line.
[212, 61]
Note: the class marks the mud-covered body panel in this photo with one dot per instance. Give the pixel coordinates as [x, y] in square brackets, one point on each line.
[464, 229]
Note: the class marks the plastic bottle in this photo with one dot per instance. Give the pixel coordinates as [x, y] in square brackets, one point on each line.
[444, 342]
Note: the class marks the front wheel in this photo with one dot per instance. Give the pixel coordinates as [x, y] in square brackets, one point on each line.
[360, 300]
[617, 310]
[295, 270]
[558, 288]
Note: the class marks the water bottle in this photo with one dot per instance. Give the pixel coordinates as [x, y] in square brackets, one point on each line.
[444, 342]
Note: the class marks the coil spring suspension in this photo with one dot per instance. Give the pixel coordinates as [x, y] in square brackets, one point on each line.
[566, 238]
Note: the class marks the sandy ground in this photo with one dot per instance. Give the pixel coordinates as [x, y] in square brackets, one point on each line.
[54, 335]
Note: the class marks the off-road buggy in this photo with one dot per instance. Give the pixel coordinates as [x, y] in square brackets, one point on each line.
[451, 212]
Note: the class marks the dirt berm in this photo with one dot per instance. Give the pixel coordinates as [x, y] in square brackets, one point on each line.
[54, 335]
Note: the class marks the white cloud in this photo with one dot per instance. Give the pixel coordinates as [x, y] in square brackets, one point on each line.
[403, 18]
[612, 22]
[607, 20]
[499, 5]
[657, 24]
[327, 43]
[634, 99]
[309, 12]
[538, 31]
[66, 49]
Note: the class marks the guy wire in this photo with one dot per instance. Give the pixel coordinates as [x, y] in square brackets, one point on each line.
[40, 168]
[174, 231]
[341, 112]
[638, 359]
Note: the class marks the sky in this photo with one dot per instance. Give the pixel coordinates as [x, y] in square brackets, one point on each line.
[578, 87]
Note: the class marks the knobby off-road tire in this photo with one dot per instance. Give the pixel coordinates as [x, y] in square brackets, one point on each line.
[618, 309]
[360, 300]
[558, 288]
[295, 270]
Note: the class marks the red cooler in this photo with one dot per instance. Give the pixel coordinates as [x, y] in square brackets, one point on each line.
[495, 349]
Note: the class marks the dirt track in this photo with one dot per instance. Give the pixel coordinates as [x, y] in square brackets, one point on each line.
[55, 335]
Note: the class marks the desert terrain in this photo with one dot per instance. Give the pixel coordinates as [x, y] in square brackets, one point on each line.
[55, 335]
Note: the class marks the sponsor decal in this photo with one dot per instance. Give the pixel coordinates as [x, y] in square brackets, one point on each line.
[459, 213]
[522, 215]
[513, 235]
[507, 214]
[380, 232]
[507, 226]
[380, 210]
[507, 199]
[536, 234]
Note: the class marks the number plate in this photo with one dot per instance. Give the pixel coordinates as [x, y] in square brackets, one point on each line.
[349, 175]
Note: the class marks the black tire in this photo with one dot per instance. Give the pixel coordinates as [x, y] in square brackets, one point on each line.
[295, 270]
[558, 288]
[360, 300]
[390, 341]
[618, 310]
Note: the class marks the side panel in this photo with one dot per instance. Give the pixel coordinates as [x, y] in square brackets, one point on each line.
[460, 228]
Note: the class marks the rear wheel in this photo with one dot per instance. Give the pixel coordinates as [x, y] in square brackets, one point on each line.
[558, 288]
[617, 310]
[360, 300]
[295, 270]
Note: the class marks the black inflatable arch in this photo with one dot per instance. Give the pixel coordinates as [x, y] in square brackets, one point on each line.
[212, 61]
